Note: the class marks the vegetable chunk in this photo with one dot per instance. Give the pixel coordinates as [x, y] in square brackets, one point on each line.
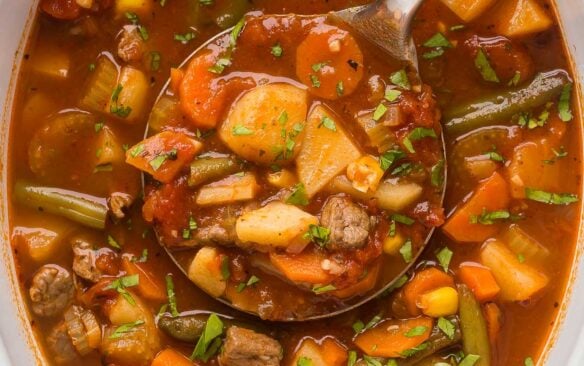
[205, 271]
[491, 195]
[128, 98]
[231, 189]
[276, 225]
[266, 124]
[393, 338]
[468, 10]
[325, 152]
[518, 281]
[516, 18]
[163, 155]
[328, 352]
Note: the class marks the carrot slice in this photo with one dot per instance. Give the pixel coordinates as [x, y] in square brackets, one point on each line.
[303, 267]
[480, 280]
[148, 286]
[170, 357]
[424, 281]
[491, 195]
[201, 98]
[494, 319]
[361, 287]
[163, 155]
[393, 338]
[330, 63]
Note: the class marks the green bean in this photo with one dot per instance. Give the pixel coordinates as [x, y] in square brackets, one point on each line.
[437, 342]
[475, 339]
[86, 210]
[205, 170]
[500, 107]
[188, 328]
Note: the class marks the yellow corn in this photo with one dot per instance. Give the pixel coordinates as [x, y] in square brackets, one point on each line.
[391, 244]
[365, 174]
[440, 302]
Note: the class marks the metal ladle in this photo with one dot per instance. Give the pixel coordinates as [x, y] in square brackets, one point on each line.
[387, 24]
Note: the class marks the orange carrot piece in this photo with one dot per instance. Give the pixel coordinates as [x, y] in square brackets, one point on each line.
[480, 280]
[170, 357]
[148, 286]
[333, 352]
[330, 63]
[494, 319]
[176, 78]
[424, 281]
[201, 99]
[391, 338]
[492, 194]
[303, 267]
[361, 287]
[163, 155]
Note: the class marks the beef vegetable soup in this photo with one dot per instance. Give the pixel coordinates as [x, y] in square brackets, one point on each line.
[291, 169]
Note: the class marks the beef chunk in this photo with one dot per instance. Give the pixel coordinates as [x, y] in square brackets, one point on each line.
[84, 257]
[244, 347]
[131, 46]
[349, 224]
[51, 290]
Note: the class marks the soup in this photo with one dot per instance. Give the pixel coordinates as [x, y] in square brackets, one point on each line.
[292, 170]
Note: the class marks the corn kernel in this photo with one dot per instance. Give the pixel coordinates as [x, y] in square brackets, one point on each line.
[365, 174]
[391, 244]
[440, 302]
[282, 179]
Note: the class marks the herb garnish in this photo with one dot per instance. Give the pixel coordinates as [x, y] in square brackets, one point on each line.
[125, 328]
[417, 133]
[277, 50]
[171, 295]
[209, 342]
[444, 257]
[298, 196]
[482, 64]
[122, 283]
[318, 234]
[549, 197]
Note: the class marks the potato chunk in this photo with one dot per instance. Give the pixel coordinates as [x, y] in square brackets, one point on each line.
[275, 225]
[229, 190]
[328, 352]
[468, 10]
[326, 151]
[266, 124]
[205, 271]
[516, 18]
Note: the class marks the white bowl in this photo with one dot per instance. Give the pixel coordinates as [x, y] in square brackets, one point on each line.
[17, 345]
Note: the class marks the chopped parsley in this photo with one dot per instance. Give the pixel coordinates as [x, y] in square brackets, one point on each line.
[469, 360]
[91, 67]
[157, 162]
[444, 257]
[328, 123]
[391, 95]
[416, 331]
[298, 196]
[103, 168]
[184, 38]
[220, 65]
[318, 66]
[527, 120]
[112, 242]
[171, 295]
[318, 234]
[389, 157]
[489, 217]
[457, 27]
[235, 32]
[125, 328]
[447, 327]
[98, 126]
[137, 150]
[558, 154]
[564, 109]
[155, 59]
[315, 81]
[494, 155]
[210, 341]
[379, 112]
[304, 361]
[122, 283]
[277, 50]
[482, 64]
[143, 257]
[400, 79]
[118, 109]
[435, 53]
[549, 197]
[352, 358]
[321, 289]
[437, 40]
[250, 282]
[358, 326]
[402, 219]
[206, 2]
[528, 362]
[402, 169]
[135, 20]
[416, 134]
[241, 130]
[412, 351]
[406, 251]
